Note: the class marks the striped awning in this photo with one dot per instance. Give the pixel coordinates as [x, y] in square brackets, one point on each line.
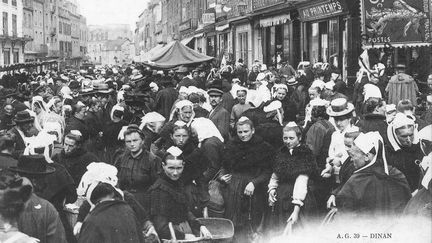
[275, 20]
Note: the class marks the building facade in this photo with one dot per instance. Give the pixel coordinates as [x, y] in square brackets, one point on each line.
[103, 38]
[12, 38]
[55, 30]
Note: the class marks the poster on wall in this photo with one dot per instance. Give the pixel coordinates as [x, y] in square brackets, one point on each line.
[396, 22]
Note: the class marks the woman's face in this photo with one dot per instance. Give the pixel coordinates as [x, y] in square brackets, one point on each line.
[358, 157]
[281, 94]
[173, 168]
[290, 139]
[180, 137]
[342, 124]
[37, 109]
[245, 132]
[241, 97]
[186, 114]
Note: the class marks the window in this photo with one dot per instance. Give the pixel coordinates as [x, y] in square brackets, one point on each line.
[60, 27]
[6, 57]
[14, 25]
[243, 46]
[15, 56]
[5, 1]
[5, 23]
[14, 3]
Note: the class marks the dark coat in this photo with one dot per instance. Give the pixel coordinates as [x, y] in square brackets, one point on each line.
[149, 138]
[247, 162]
[228, 101]
[289, 166]
[111, 222]
[371, 192]
[19, 143]
[137, 174]
[76, 163]
[221, 118]
[74, 123]
[167, 203]
[41, 220]
[404, 160]
[212, 148]
[164, 101]
[6, 161]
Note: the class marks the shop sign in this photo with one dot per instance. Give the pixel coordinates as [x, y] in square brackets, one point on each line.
[396, 22]
[185, 25]
[260, 4]
[323, 10]
[208, 18]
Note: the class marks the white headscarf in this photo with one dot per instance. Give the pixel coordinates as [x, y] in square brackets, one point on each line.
[97, 172]
[151, 117]
[205, 128]
[365, 142]
[180, 105]
[399, 121]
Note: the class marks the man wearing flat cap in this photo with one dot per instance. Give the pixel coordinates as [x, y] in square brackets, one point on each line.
[218, 115]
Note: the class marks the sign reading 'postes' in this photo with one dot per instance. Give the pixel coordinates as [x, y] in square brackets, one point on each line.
[323, 10]
[396, 22]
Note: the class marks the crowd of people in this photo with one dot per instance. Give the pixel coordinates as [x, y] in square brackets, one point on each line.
[131, 154]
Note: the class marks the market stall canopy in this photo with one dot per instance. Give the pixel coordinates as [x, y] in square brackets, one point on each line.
[147, 56]
[175, 54]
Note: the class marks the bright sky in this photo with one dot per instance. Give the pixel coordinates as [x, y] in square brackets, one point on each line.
[99, 12]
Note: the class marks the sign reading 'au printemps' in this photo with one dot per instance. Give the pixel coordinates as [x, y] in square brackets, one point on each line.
[396, 22]
[323, 10]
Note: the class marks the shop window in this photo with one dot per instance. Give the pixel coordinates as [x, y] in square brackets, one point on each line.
[323, 29]
[334, 41]
[313, 33]
[243, 46]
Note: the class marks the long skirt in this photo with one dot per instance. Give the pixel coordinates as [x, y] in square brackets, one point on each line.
[243, 210]
[278, 215]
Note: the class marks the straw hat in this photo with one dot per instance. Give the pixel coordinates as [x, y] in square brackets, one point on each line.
[339, 107]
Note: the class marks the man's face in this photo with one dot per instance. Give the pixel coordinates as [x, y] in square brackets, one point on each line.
[69, 145]
[8, 109]
[26, 127]
[405, 135]
[134, 142]
[173, 168]
[215, 100]
[195, 75]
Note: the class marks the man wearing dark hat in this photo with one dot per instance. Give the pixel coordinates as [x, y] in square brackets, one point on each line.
[40, 219]
[401, 86]
[11, 99]
[24, 125]
[218, 115]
